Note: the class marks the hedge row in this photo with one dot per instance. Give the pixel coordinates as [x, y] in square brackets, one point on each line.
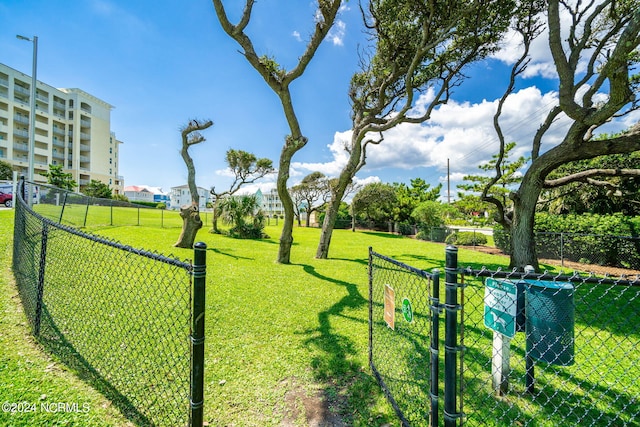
[610, 240]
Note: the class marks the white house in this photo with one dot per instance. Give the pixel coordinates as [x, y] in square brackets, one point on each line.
[138, 193]
[181, 196]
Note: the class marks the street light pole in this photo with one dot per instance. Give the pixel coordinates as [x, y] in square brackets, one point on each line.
[32, 114]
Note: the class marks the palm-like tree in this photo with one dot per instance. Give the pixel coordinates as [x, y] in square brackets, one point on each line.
[243, 214]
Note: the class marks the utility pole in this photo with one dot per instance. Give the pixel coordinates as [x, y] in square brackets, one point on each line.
[32, 113]
[448, 184]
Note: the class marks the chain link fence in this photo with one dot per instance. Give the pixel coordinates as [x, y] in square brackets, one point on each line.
[119, 316]
[545, 350]
[612, 251]
[401, 341]
[520, 349]
[79, 210]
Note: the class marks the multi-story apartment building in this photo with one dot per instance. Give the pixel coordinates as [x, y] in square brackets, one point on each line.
[180, 196]
[270, 203]
[72, 129]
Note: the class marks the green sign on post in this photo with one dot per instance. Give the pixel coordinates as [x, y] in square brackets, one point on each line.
[500, 306]
[407, 310]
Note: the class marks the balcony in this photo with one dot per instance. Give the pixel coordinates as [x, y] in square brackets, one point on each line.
[22, 90]
[85, 159]
[4, 82]
[58, 155]
[17, 146]
[21, 119]
[59, 105]
[85, 136]
[21, 132]
[58, 143]
[58, 131]
[84, 147]
[85, 123]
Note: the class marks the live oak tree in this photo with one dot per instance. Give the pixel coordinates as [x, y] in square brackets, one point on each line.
[312, 193]
[280, 80]
[617, 189]
[246, 169]
[418, 46]
[190, 214]
[594, 46]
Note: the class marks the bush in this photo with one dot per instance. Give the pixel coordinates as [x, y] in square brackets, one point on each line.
[404, 228]
[502, 239]
[466, 238]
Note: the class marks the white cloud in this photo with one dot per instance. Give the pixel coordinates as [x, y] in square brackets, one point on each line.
[460, 132]
[337, 33]
[296, 35]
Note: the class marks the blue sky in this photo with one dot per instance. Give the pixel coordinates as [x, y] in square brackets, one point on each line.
[163, 62]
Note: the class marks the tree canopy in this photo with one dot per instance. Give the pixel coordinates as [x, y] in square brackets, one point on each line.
[415, 46]
[98, 189]
[594, 46]
[58, 178]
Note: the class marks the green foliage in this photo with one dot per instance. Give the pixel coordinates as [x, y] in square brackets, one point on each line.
[58, 178]
[6, 172]
[161, 205]
[592, 234]
[409, 197]
[97, 189]
[242, 212]
[375, 202]
[120, 197]
[466, 238]
[343, 219]
[429, 214]
[509, 179]
[621, 195]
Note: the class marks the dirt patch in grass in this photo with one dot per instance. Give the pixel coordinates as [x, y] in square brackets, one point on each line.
[308, 407]
[568, 266]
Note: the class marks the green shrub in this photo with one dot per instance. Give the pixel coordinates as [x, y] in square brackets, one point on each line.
[404, 228]
[502, 239]
[466, 238]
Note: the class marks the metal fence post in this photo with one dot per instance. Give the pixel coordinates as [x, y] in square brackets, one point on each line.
[86, 212]
[197, 334]
[64, 204]
[41, 271]
[435, 345]
[370, 272]
[451, 336]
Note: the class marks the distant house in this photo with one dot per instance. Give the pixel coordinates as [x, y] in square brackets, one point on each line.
[138, 193]
[159, 196]
[270, 203]
[180, 196]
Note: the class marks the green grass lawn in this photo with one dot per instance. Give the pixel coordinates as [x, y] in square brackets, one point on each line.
[29, 377]
[283, 342]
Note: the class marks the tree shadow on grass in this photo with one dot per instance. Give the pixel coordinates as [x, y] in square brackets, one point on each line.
[384, 234]
[348, 388]
[55, 343]
[221, 252]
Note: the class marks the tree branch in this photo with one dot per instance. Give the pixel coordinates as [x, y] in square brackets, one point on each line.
[586, 176]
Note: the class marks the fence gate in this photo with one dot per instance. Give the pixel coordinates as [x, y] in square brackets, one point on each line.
[403, 345]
